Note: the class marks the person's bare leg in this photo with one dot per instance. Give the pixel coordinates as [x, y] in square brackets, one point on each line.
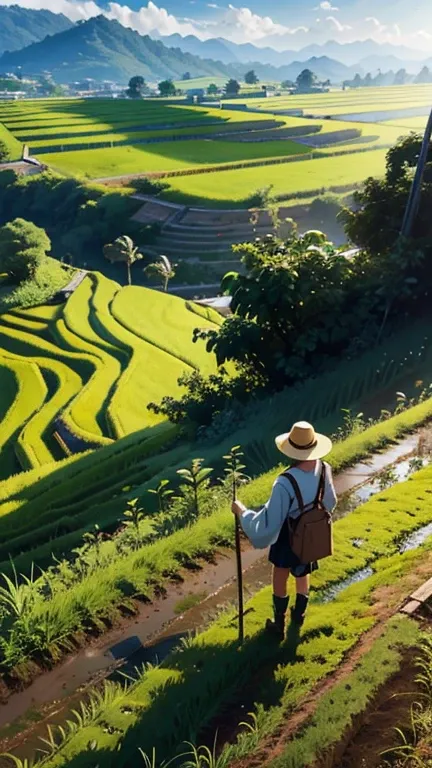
[280, 578]
[280, 601]
[302, 599]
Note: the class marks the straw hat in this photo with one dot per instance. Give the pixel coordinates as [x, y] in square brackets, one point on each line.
[303, 443]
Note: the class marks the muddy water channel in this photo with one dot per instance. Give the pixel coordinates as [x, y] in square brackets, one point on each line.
[185, 608]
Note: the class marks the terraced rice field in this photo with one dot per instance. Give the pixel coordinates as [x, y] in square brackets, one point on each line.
[86, 372]
[315, 176]
[109, 138]
[392, 98]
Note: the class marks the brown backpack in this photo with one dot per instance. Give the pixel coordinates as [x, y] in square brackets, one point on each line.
[311, 534]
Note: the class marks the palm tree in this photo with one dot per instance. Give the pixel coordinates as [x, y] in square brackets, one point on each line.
[123, 249]
[163, 269]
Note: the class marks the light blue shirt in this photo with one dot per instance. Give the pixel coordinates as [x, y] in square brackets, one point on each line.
[262, 528]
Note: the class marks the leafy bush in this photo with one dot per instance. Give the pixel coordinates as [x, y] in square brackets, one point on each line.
[79, 217]
[146, 186]
[23, 247]
[4, 152]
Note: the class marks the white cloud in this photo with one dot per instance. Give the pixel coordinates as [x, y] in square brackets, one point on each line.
[326, 6]
[338, 24]
[240, 24]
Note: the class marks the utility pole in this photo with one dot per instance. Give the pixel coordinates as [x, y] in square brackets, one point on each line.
[415, 193]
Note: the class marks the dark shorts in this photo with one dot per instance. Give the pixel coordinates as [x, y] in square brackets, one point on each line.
[282, 556]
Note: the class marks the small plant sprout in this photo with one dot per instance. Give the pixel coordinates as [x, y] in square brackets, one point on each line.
[16, 598]
[133, 518]
[164, 493]
[386, 478]
[194, 478]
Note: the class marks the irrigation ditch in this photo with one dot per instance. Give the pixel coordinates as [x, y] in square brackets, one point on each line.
[186, 606]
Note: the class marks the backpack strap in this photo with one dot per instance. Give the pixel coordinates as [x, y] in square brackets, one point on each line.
[297, 491]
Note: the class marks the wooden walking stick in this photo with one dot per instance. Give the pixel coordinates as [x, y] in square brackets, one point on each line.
[234, 468]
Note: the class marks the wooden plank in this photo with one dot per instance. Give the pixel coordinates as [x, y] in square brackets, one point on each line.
[424, 592]
[411, 607]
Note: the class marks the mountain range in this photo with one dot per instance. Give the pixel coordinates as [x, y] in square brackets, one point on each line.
[362, 53]
[102, 49]
[105, 50]
[20, 27]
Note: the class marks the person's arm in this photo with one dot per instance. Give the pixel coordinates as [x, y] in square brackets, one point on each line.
[329, 498]
[262, 528]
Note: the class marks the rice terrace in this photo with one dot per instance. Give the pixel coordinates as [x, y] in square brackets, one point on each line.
[215, 389]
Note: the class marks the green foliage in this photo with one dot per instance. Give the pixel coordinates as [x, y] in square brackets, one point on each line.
[302, 303]
[4, 152]
[23, 247]
[306, 81]
[47, 280]
[251, 77]
[79, 218]
[232, 87]
[376, 219]
[167, 88]
[123, 250]
[137, 87]
[162, 269]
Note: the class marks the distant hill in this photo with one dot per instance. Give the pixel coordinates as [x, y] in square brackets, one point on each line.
[324, 67]
[105, 50]
[349, 54]
[20, 27]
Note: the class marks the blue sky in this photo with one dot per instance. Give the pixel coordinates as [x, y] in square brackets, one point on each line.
[284, 24]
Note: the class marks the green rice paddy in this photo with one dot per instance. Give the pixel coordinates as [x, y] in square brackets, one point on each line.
[99, 361]
[67, 132]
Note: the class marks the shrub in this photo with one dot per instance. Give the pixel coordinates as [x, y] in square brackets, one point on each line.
[23, 247]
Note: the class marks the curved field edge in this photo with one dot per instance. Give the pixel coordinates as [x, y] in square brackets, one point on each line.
[208, 671]
[31, 392]
[165, 322]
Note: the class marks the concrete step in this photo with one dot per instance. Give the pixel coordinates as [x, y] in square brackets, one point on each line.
[212, 246]
[211, 230]
[185, 254]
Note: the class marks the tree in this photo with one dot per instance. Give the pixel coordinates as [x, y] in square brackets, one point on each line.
[123, 250]
[167, 88]
[357, 82]
[4, 152]
[376, 220]
[424, 76]
[251, 77]
[163, 269]
[306, 80]
[368, 81]
[23, 247]
[137, 86]
[287, 84]
[232, 87]
[186, 76]
[401, 77]
[212, 90]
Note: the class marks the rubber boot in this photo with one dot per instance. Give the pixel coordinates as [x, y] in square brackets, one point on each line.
[299, 610]
[277, 626]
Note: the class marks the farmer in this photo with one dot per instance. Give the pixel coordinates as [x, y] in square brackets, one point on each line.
[270, 525]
